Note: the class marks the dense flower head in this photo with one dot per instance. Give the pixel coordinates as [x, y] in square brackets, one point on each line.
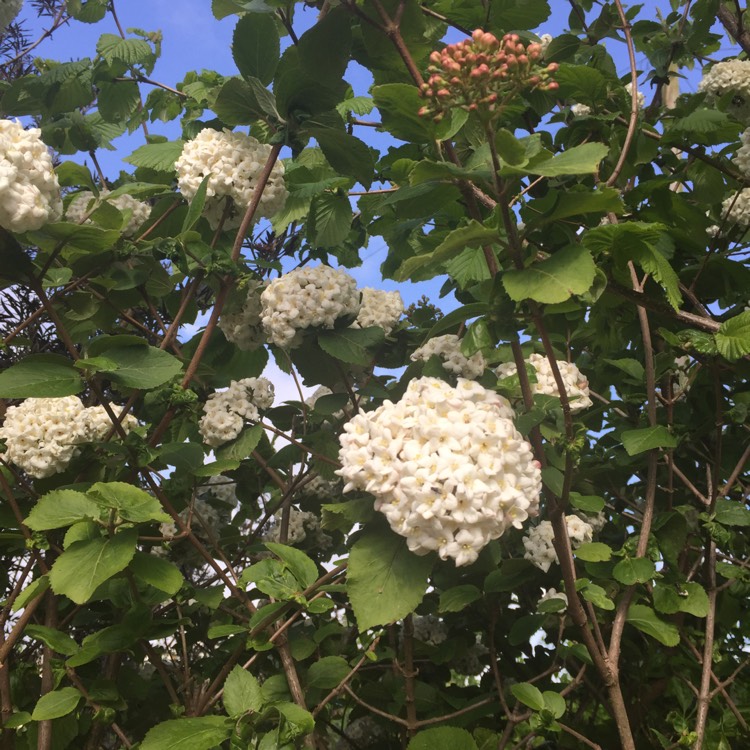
[305, 298]
[539, 546]
[481, 72]
[303, 526]
[446, 465]
[29, 191]
[84, 202]
[731, 76]
[429, 629]
[242, 325]
[234, 162]
[42, 435]
[9, 9]
[576, 384]
[742, 157]
[641, 97]
[448, 348]
[225, 412]
[580, 110]
[736, 208]
[379, 308]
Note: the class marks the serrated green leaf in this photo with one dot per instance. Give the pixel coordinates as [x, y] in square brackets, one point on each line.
[345, 153]
[157, 572]
[354, 346]
[55, 704]
[733, 338]
[442, 738]
[644, 618]
[633, 570]
[202, 733]
[131, 503]
[55, 639]
[41, 376]
[593, 552]
[242, 693]
[61, 508]
[327, 673]
[300, 565]
[331, 219]
[458, 598]
[569, 271]
[243, 446]
[731, 513]
[129, 51]
[255, 46]
[647, 438]
[582, 159]
[157, 156]
[529, 695]
[385, 581]
[142, 367]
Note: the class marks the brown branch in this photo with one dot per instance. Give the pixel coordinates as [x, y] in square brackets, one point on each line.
[733, 25]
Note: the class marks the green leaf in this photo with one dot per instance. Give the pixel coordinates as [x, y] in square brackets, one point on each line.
[79, 236]
[731, 513]
[582, 159]
[255, 46]
[61, 508]
[298, 721]
[385, 581]
[157, 156]
[595, 594]
[647, 438]
[630, 366]
[327, 672]
[398, 104]
[56, 640]
[129, 51]
[157, 572]
[141, 366]
[509, 148]
[554, 702]
[56, 704]
[529, 695]
[195, 209]
[345, 153]
[330, 219]
[300, 565]
[352, 345]
[694, 599]
[569, 271]
[325, 47]
[130, 502]
[242, 693]
[84, 566]
[593, 552]
[242, 102]
[40, 376]
[733, 338]
[634, 570]
[459, 597]
[587, 503]
[34, 589]
[203, 733]
[243, 446]
[471, 235]
[644, 618]
[519, 14]
[442, 738]
[510, 576]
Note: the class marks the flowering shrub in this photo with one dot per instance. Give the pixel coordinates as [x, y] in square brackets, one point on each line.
[448, 348]
[84, 203]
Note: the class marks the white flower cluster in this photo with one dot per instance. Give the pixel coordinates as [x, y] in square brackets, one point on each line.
[448, 348]
[725, 77]
[379, 308]
[85, 202]
[42, 435]
[29, 191]
[302, 525]
[223, 489]
[640, 96]
[9, 9]
[576, 385]
[242, 326]
[580, 110]
[225, 412]
[365, 732]
[305, 298]
[736, 208]
[538, 543]
[742, 157]
[429, 629]
[446, 465]
[471, 661]
[234, 162]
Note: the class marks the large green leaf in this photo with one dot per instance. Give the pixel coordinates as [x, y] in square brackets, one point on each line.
[138, 365]
[582, 159]
[158, 156]
[202, 733]
[518, 14]
[385, 581]
[242, 693]
[157, 572]
[733, 338]
[569, 271]
[241, 102]
[56, 704]
[634, 570]
[255, 46]
[41, 376]
[300, 565]
[84, 566]
[644, 618]
[345, 153]
[130, 502]
[324, 48]
[243, 446]
[529, 695]
[327, 672]
[330, 220]
[55, 639]
[61, 508]
[646, 439]
[355, 346]
[442, 738]
[398, 104]
[129, 51]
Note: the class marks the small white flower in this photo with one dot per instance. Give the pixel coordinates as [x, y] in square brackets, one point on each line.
[580, 110]
[379, 308]
[448, 348]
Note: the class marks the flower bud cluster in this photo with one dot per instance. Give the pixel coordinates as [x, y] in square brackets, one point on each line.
[242, 326]
[307, 298]
[448, 348]
[446, 465]
[539, 541]
[225, 412]
[42, 435]
[379, 308]
[736, 208]
[482, 71]
[429, 629]
[234, 162]
[576, 384]
[84, 202]
[725, 77]
[9, 9]
[302, 525]
[29, 191]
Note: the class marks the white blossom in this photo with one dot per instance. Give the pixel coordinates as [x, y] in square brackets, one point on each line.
[225, 412]
[379, 308]
[545, 40]
[446, 465]
[640, 95]
[234, 162]
[29, 191]
[576, 384]
[429, 629]
[242, 326]
[85, 201]
[580, 110]
[305, 298]
[538, 543]
[448, 348]
[42, 435]
[9, 9]
[303, 525]
[725, 77]
[736, 208]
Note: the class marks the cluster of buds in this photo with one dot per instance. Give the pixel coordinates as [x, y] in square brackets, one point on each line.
[482, 72]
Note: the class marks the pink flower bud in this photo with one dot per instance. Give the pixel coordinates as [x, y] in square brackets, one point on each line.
[443, 93]
[435, 57]
[477, 34]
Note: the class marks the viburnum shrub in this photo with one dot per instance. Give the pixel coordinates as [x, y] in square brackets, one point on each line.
[389, 391]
